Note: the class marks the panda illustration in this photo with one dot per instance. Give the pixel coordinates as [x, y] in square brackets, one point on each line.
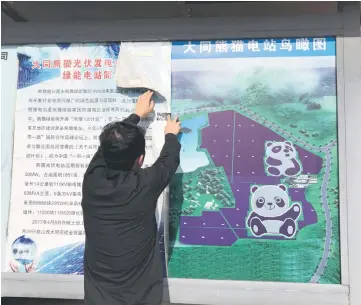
[271, 212]
[281, 159]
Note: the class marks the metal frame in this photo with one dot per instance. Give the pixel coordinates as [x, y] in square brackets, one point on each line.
[341, 107]
[345, 25]
[172, 29]
[352, 93]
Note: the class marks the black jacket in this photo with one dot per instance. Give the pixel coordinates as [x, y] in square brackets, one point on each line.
[122, 262]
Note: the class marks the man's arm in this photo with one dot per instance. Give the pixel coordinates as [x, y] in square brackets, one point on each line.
[161, 172]
[133, 119]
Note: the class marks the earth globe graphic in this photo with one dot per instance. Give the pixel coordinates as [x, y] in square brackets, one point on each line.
[24, 250]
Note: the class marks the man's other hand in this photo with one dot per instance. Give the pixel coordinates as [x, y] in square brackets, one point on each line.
[145, 104]
[173, 126]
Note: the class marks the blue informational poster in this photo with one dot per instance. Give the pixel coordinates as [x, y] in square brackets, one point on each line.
[66, 94]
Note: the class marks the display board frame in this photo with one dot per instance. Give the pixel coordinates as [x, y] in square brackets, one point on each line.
[345, 26]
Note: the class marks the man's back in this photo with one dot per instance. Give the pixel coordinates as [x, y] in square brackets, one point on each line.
[121, 237]
[122, 262]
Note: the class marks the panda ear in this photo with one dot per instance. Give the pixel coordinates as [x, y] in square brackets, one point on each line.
[282, 187]
[254, 188]
[269, 144]
[289, 143]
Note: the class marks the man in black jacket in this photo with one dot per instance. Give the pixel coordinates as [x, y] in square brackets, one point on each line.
[122, 261]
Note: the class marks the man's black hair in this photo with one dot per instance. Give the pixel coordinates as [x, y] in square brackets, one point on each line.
[122, 143]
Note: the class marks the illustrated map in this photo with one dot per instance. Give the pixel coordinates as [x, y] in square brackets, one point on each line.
[256, 195]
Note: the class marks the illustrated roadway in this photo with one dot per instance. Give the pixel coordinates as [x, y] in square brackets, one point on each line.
[325, 149]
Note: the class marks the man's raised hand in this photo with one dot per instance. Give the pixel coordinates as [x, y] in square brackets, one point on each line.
[145, 104]
[173, 126]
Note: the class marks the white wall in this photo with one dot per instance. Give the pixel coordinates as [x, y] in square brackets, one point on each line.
[8, 97]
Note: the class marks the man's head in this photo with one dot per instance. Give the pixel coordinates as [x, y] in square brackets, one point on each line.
[123, 145]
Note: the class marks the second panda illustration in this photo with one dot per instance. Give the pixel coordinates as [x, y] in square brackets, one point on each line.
[281, 159]
[272, 213]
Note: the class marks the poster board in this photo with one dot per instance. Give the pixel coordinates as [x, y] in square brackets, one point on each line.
[66, 94]
[277, 94]
[219, 291]
[250, 107]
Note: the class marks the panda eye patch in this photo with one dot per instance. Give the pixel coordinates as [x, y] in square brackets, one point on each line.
[279, 202]
[260, 202]
[276, 149]
[15, 251]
